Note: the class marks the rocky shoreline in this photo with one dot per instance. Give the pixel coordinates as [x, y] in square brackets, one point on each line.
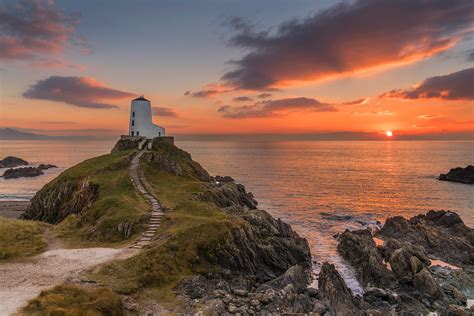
[238, 259]
[22, 172]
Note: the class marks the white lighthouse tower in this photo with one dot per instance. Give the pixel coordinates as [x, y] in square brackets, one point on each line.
[141, 123]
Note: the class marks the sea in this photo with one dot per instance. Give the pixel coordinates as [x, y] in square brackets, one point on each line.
[321, 188]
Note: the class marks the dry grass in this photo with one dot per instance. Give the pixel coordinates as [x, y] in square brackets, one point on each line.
[19, 239]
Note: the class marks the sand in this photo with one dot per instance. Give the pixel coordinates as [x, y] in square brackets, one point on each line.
[23, 281]
[12, 209]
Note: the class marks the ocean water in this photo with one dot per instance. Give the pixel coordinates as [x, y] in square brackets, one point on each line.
[320, 188]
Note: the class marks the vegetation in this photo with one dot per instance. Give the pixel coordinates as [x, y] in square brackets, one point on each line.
[117, 201]
[190, 227]
[74, 300]
[20, 239]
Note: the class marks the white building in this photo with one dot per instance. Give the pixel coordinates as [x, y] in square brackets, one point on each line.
[141, 123]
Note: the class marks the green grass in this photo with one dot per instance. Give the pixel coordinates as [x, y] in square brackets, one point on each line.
[74, 300]
[118, 202]
[188, 230]
[19, 239]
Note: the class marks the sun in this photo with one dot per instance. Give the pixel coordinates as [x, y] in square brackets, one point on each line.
[389, 133]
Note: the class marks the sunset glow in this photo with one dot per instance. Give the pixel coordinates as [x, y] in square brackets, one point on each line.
[208, 80]
[389, 133]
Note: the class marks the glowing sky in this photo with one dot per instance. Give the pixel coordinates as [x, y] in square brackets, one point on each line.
[232, 67]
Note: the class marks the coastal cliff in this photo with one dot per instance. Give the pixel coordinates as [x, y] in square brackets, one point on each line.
[216, 252]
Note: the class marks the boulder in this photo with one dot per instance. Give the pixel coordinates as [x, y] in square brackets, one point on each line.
[359, 249]
[425, 284]
[46, 166]
[228, 194]
[10, 162]
[441, 233]
[297, 276]
[223, 179]
[462, 175]
[407, 260]
[22, 172]
[333, 289]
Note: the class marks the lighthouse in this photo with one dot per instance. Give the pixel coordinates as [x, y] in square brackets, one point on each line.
[141, 123]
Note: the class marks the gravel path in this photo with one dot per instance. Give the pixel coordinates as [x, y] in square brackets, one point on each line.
[23, 281]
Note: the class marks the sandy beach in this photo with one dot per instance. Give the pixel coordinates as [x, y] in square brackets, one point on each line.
[12, 209]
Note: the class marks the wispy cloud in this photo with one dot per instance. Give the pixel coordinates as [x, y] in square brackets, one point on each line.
[455, 86]
[373, 113]
[242, 99]
[428, 116]
[83, 92]
[273, 108]
[356, 102]
[162, 111]
[347, 38]
[37, 32]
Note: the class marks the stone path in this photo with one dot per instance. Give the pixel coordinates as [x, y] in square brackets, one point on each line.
[141, 185]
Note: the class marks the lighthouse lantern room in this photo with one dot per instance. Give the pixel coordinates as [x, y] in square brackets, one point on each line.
[141, 123]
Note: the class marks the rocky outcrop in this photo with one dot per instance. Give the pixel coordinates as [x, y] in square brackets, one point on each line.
[10, 162]
[46, 166]
[24, 172]
[359, 249]
[412, 284]
[441, 233]
[263, 247]
[462, 175]
[228, 194]
[169, 158]
[127, 143]
[333, 289]
[60, 198]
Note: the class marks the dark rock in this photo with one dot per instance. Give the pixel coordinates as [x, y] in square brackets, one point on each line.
[224, 179]
[22, 172]
[10, 162]
[59, 198]
[424, 283]
[46, 166]
[264, 247]
[407, 260]
[462, 175]
[359, 249]
[441, 233]
[333, 288]
[228, 195]
[296, 275]
[127, 143]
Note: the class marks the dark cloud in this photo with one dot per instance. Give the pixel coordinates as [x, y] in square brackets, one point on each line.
[78, 91]
[161, 111]
[272, 108]
[470, 56]
[456, 86]
[350, 37]
[242, 99]
[35, 30]
[202, 93]
[356, 102]
[264, 95]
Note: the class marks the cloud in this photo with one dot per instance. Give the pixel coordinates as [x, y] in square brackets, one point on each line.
[279, 107]
[455, 86]
[264, 95]
[209, 91]
[373, 113]
[470, 56]
[428, 116]
[242, 99]
[83, 92]
[161, 111]
[347, 38]
[356, 102]
[35, 30]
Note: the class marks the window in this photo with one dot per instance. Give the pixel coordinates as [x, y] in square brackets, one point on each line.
[159, 133]
[133, 114]
[138, 133]
[133, 123]
[133, 133]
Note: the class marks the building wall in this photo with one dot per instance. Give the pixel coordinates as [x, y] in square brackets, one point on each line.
[141, 121]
